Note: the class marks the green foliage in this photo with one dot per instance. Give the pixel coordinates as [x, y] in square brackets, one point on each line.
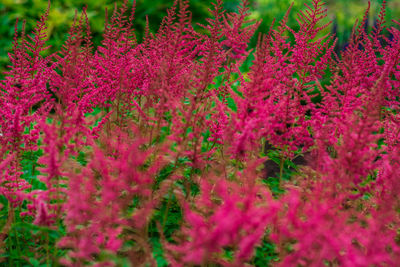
[285, 170]
[60, 20]
[29, 167]
[169, 217]
[343, 13]
[265, 254]
[25, 241]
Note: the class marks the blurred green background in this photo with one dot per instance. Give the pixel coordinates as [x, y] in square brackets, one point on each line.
[343, 13]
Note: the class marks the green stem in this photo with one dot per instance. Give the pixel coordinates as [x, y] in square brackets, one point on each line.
[47, 249]
[10, 212]
[281, 170]
[18, 247]
[167, 208]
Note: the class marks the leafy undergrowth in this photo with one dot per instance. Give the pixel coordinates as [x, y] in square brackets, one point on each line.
[185, 149]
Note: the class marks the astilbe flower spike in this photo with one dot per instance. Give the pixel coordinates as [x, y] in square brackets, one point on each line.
[110, 181]
[278, 95]
[240, 214]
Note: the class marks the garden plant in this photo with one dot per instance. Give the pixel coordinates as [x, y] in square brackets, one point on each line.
[186, 148]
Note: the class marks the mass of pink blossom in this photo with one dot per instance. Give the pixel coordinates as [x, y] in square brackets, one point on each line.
[174, 121]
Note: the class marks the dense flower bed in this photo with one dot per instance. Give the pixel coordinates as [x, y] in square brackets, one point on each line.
[167, 152]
